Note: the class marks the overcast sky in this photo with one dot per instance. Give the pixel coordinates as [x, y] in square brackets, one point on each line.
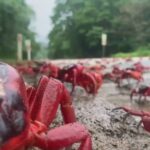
[41, 24]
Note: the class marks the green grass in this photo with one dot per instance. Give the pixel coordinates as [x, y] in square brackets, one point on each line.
[141, 52]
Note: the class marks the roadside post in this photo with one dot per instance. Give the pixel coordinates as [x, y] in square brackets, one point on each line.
[19, 47]
[103, 43]
[28, 49]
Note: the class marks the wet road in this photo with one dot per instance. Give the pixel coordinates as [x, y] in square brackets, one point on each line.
[123, 95]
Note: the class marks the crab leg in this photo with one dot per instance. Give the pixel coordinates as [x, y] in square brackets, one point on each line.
[93, 83]
[49, 95]
[38, 96]
[145, 117]
[66, 107]
[30, 94]
[132, 112]
[74, 82]
[65, 136]
[125, 117]
[87, 80]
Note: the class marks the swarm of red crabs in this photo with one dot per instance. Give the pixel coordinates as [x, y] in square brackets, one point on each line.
[89, 78]
[141, 91]
[26, 113]
[118, 75]
[76, 74]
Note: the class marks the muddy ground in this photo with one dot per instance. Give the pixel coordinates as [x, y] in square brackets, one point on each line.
[106, 127]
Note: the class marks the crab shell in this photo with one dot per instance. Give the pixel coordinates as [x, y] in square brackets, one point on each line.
[14, 119]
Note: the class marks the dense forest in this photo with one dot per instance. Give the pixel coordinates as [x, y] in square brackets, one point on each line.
[15, 17]
[78, 25]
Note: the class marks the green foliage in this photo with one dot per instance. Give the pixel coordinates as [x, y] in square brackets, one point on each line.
[140, 52]
[15, 16]
[78, 25]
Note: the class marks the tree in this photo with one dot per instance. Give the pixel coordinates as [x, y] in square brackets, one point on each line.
[78, 25]
[15, 18]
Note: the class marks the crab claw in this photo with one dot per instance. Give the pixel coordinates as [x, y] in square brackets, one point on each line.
[126, 115]
[132, 112]
[76, 133]
[145, 120]
[145, 117]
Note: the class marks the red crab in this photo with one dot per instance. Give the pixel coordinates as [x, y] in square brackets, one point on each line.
[25, 114]
[74, 74]
[99, 80]
[77, 75]
[145, 116]
[96, 68]
[30, 68]
[25, 69]
[49, 69]
[140, 67]
[142, 91]
[128, 73]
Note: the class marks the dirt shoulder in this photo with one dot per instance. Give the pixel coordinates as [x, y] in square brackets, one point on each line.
[106, 127]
